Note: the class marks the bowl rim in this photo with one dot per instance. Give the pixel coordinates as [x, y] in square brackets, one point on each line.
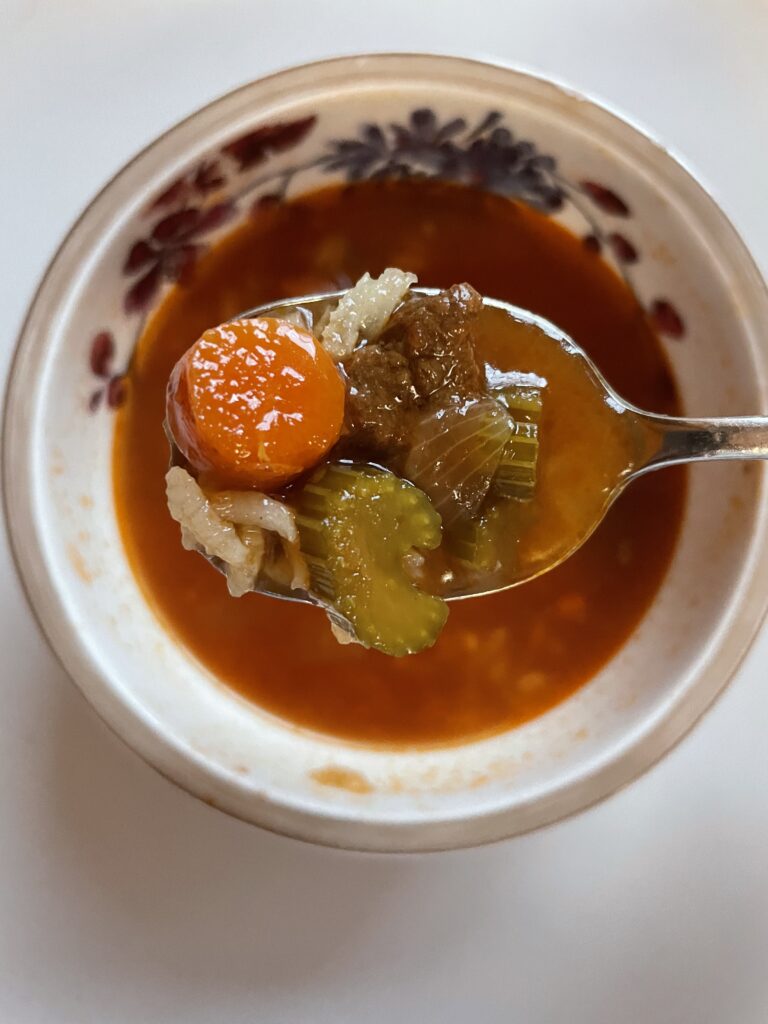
[47, 606]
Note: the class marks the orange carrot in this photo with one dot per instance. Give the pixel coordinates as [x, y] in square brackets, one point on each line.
[254, 403]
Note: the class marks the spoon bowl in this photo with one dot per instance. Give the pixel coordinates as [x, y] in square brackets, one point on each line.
[657, 441]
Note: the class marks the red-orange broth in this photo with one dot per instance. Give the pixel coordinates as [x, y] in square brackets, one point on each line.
[501, 660]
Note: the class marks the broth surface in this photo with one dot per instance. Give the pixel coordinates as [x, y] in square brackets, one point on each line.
[500, 660]
[586, 447]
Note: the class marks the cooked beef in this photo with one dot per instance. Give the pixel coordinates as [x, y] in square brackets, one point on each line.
[423, 360]
[434, 333]
[380, 393]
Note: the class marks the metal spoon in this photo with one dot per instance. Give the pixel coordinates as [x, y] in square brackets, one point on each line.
[669, 440]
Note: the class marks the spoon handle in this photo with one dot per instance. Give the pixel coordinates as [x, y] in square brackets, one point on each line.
[686, 440]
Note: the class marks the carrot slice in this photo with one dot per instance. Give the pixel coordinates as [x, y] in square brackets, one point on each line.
[254, 403]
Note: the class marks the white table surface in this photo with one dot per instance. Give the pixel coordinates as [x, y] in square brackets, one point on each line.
[122, 899]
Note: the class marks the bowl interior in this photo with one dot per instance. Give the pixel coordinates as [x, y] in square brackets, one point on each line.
[282, 135]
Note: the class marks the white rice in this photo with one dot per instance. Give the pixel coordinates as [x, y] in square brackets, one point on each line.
[201, 524]
[363, 311]
[236, 527]
[242, 578]
[249, 508]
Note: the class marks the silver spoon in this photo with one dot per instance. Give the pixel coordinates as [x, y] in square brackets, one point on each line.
[670, 440]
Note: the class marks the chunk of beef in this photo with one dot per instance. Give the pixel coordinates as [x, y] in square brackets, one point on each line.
[423, 360]
[380, 393]
[434, 334]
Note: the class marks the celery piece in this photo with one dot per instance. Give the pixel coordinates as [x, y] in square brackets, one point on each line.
[356, 525]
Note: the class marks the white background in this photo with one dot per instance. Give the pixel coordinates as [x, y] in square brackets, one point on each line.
[122, 899]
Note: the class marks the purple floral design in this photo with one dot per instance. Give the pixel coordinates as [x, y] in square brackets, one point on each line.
[487, 156]
[491, 157]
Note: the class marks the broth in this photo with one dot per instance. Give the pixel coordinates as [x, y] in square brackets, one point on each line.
[587, 447]
[500, 660]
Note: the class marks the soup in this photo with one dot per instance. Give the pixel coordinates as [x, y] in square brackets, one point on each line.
[500, 660]
[386, 449]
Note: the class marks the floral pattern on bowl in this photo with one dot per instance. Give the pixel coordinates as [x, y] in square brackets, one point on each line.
[220, 190]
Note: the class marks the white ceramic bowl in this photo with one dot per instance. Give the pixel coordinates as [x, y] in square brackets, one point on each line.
[695, 277]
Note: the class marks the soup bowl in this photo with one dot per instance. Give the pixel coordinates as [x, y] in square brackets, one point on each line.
[343, 120]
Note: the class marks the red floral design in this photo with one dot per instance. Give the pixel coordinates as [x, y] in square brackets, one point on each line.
[254, 147]
[269, 201]
[623, 249]
[113, 385]
[592, 243]
[102, 353]
[666, 319]
[117, 391]
[206, 177]
[606, 199]
[170, 251]
[174, 193]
